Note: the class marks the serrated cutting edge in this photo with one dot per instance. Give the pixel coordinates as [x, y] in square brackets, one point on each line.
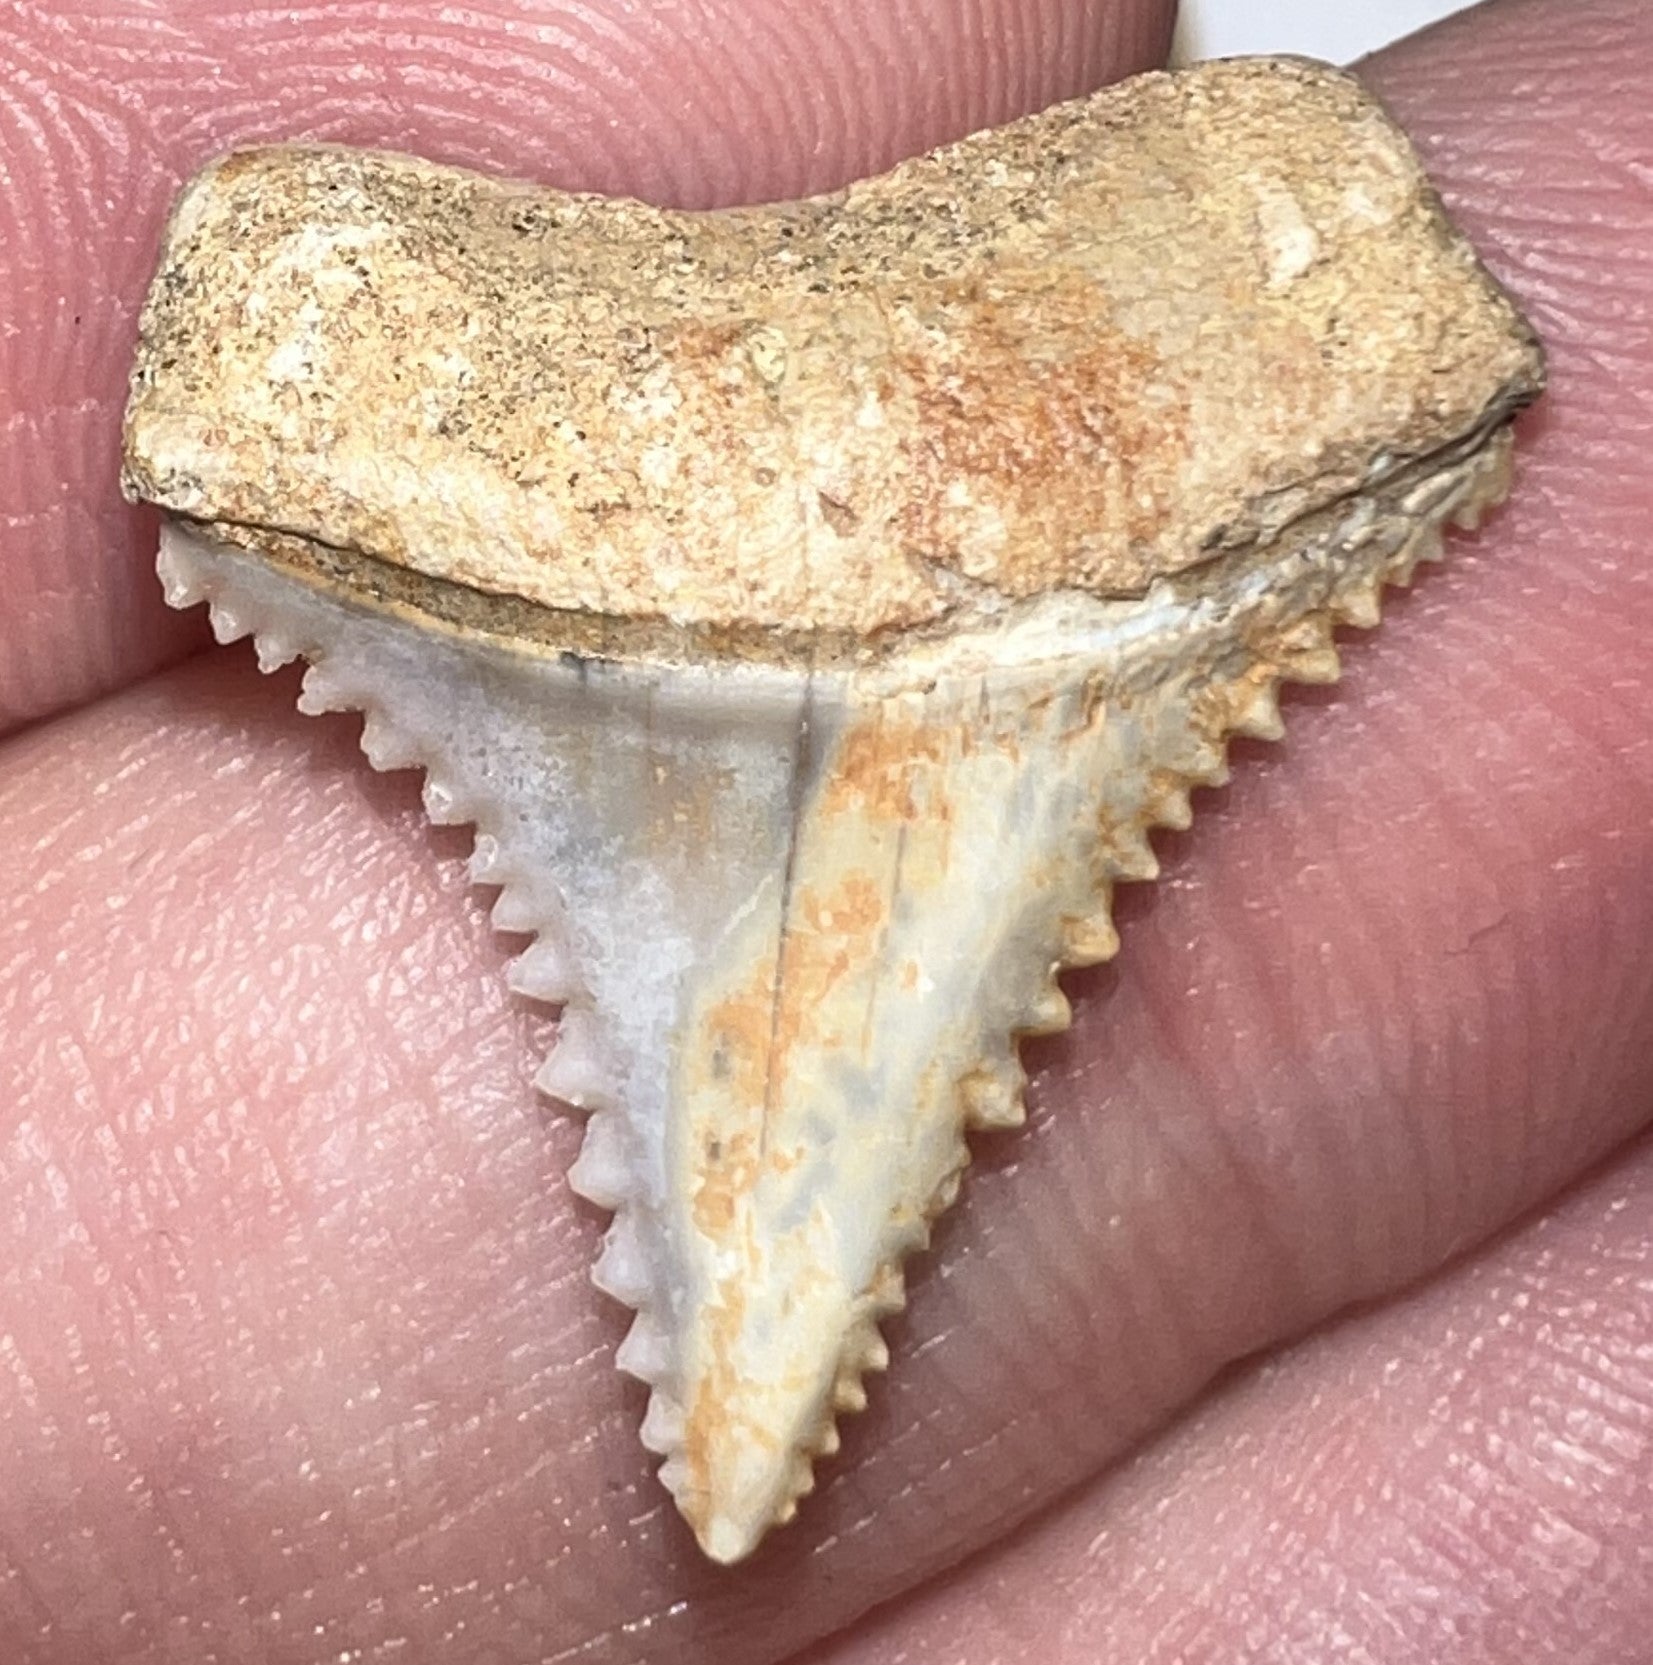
[1093, 751]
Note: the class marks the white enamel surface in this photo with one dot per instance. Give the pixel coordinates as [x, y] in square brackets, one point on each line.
[799, 919]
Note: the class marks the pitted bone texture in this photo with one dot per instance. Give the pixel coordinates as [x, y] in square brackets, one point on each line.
[1082, 351]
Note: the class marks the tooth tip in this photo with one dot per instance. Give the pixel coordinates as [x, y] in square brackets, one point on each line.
[728, 1541]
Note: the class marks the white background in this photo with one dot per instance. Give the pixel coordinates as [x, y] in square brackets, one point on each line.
[1337, 30]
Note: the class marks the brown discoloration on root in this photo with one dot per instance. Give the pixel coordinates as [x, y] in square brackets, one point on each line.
[1033, 436]
[1104, 344]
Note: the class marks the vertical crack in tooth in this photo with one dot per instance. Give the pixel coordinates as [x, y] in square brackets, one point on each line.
[815, 894]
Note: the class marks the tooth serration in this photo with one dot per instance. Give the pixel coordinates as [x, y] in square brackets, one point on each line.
[814, 610]
[1061, 920]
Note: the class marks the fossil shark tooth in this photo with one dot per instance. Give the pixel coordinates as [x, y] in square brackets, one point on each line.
[814, 607]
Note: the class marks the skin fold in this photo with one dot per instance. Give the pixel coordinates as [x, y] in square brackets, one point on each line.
[1310, 1318]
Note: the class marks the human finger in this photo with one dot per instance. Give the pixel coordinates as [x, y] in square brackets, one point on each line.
[1464, 1477]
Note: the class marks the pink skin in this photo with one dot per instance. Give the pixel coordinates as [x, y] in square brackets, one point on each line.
[1459, 1476]
[297, 1360]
